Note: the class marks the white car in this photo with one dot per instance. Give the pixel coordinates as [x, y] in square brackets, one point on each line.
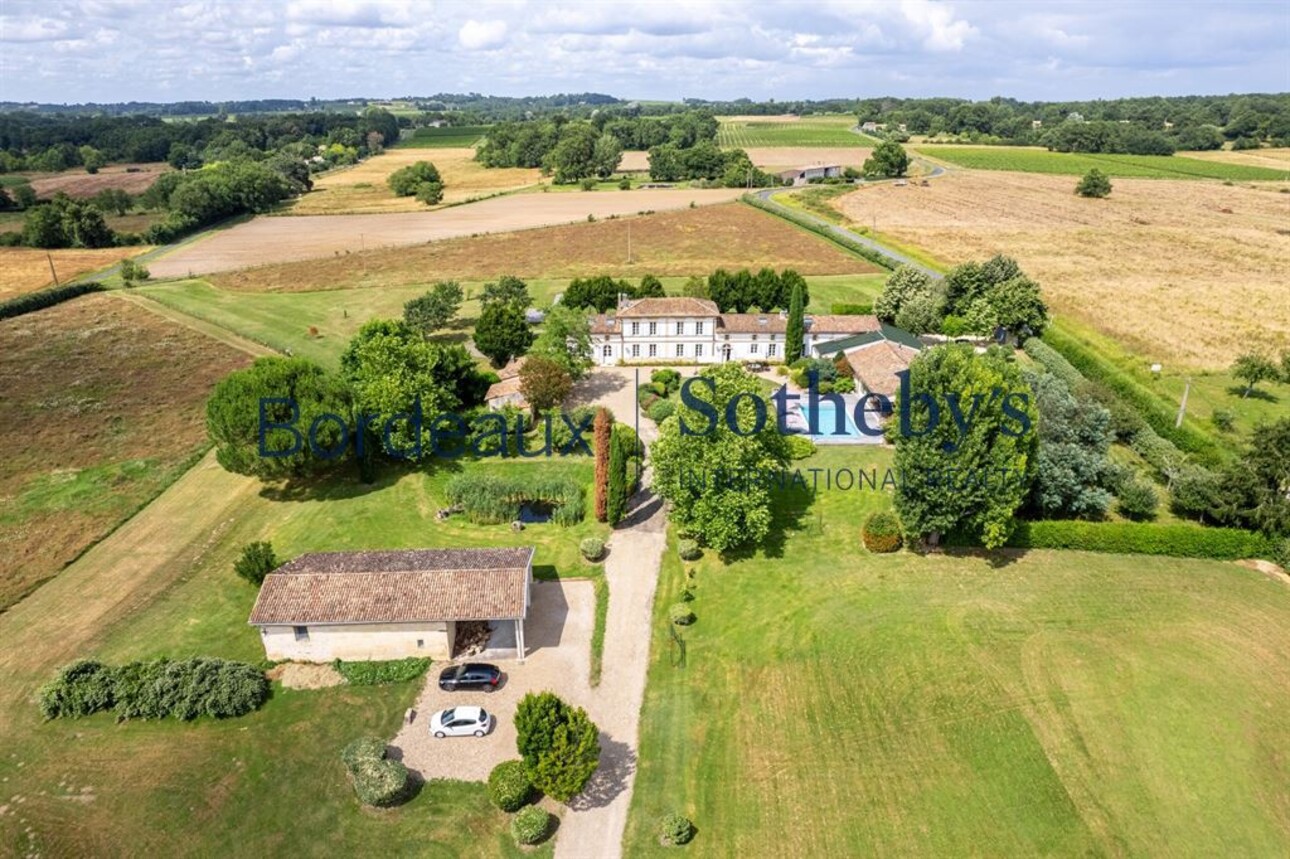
[461, 722]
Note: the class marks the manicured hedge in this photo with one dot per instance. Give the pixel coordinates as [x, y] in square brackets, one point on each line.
[1142, 538]
[1152, 409]
[181, 689]
[820, 228]
[843, 308]
[378, 672]
[881, 532]
[43, 298]
[530, 825]
[509, 786]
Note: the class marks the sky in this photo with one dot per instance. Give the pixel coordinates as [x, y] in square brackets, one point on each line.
[68, 51]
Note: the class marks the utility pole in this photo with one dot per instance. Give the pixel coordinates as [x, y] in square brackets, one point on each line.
[629, 242]
[52, 272]
[1182, 407]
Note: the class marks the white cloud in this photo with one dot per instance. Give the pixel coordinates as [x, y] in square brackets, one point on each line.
[482, 35]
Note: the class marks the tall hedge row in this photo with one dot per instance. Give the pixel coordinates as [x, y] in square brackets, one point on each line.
[42, 298]
[1140, 538]
[156, 689]
[1157, 415]
[807, 222]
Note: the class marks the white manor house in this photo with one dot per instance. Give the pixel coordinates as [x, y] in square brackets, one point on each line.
[694, 331]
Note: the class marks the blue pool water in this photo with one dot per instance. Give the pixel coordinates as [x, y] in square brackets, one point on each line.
[827, 423]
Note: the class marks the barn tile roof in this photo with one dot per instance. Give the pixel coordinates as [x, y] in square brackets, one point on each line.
[504, 388]
[402, 586]
[877, 364]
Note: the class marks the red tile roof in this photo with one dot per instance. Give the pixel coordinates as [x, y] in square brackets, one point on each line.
[411, 585]
[877, 364]
[678, 306]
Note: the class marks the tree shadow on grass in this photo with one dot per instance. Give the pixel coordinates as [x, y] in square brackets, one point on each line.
[1266, 396]
[790, 508]
[996, 558]
[346, 482]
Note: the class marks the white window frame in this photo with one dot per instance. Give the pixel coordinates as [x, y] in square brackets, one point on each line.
[752, 349]
[680, 329]
[698, 350]
[680, 350]
[653, 329]
[607, 352]
[698, 328]
[301, 633]
[770, 351]
[636, 350]
[653, 350]
[636, 328]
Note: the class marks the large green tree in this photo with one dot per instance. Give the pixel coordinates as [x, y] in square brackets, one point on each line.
[502, 332]
[392, 369]
[559, 744]
[795, 328]
[965, 443]
[710, 471]
[1255, 491]
[888, 161]
[1073, 472]
[405, 181]
[544, 382]
[434, 310]
[302, 393]
[507, 289]
[565, 338]
[902, 286]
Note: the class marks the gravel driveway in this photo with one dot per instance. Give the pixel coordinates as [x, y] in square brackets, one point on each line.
[558, 635]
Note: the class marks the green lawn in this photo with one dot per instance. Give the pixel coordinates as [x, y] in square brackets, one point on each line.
[282, 320]
[459, 137]
[822, 130]
[270, 782]
[1028, 160]
[831, 703]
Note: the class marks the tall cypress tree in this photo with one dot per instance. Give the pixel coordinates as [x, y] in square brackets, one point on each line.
[603, 431]
[795, 333]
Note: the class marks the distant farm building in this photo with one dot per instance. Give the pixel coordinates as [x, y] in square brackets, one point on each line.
[802, 175]
[506, 392]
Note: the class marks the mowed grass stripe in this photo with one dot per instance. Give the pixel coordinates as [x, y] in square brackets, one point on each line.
[1027, 160]
[839, 703]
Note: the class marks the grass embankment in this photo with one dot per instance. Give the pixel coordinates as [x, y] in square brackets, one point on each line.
[833, 702]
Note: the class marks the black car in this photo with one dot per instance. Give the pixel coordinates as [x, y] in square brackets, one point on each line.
[471, 675]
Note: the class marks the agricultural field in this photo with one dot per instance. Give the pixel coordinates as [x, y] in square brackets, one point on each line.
[362, 189]
[102, 407]
[27, 269]
[682, 242]
[456, 137]
[1274, 159]
[317, 325]
[131, 178]
[263, 241]
[1206, 255]
[163, 585]
[1032, 160]
[762, 131]
[1051, 703]
[134, 222]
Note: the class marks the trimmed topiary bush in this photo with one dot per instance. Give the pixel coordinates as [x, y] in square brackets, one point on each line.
[674, 830]
[689, 550]
[509, 786]
[377, 672]
[364, 748]
[681, 614]
[592, 548]
[800, 447]
[661, 411]
[530, 825]
[881, 532]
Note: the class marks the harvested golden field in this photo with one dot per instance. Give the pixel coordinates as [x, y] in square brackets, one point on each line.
[131, 178]
[685, 242]
[27, 269]
[1187, 272]
[1276, 159]
[267, 240]
[361, 189]
[101, 405]
[774, 157]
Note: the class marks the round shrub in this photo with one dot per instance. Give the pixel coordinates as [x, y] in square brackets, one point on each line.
[881, 532]
[362, 749]
[256, 562]
[646, 398]
[592, 548]
[1138, 500]
[681, 615]
[661, 411]
[689, 550]
[509, 787]
[81, 688]
[530, 824]
[674, 830]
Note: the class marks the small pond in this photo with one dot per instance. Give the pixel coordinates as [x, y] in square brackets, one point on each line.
[532, 512]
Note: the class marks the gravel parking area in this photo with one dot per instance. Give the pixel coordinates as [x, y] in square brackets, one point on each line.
[558, 634]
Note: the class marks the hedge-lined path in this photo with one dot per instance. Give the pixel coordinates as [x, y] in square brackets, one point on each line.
[594, 824]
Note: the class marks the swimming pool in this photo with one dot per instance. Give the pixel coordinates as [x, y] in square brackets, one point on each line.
[827, 425]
